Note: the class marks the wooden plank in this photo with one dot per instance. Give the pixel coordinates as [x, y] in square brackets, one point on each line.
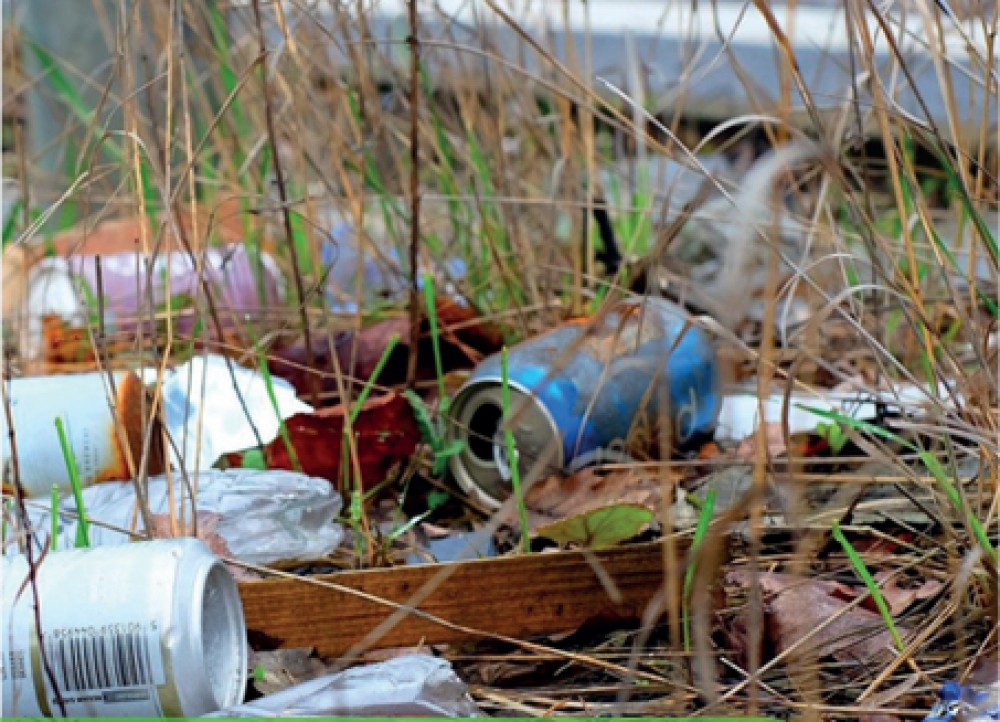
[522, 597]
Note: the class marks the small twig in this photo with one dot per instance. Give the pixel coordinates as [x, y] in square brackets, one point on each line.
[414, 43]
[28, 547]
[286, 215]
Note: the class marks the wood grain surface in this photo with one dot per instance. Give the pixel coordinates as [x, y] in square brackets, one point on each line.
[522, 597]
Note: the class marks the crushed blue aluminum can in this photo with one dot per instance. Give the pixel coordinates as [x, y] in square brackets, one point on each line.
[578, 391]
[963, 703]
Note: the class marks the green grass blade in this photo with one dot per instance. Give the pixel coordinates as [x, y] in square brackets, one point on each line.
[856, 424]
[429, 296]
[282, 427]
[700, 532]
[933, 466]
[955, 182]
[941, 477]
[398, 532]
[223, 49]
[54, 518]
[357, 496]
[82, 526]
[376, 372]
[862, 570]
[67, 91]
[10, 226]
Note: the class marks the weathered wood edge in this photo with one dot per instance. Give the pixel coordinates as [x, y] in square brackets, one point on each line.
[521, 597]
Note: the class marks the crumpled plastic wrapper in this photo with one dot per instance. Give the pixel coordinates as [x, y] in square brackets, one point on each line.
[262, 516]
[413, 686]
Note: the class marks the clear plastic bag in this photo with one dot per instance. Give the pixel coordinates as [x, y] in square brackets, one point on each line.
[413, 686]
[263, 516]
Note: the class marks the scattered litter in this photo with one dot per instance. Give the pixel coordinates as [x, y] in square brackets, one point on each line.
[684, 515]
[214, 406]
[263, 517]
[224, 220]
[774, 439]
[164, 617]
[413, 686]
[577, 391]
[100, 441]
[203, 528]
[65, 287]
[382, 280]
[740, 413]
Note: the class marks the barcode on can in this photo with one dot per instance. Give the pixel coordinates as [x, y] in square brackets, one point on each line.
[116, 656]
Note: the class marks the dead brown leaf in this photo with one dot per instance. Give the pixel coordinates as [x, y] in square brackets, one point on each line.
[465, 340]
[795, 607]
[560, 497]
[385, 431]
[61, 343]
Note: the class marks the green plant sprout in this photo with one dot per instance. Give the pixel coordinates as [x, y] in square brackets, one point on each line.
[859, 566]
[82, 526]
[54, 517]
[701, 530]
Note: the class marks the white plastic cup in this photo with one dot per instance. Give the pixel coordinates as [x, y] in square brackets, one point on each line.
[149, 629]
[81, 401]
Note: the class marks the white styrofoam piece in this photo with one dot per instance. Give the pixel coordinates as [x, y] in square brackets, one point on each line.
[740, 411]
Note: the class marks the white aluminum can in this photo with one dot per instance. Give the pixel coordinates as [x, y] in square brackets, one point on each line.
[81, 401]
[150, 629]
